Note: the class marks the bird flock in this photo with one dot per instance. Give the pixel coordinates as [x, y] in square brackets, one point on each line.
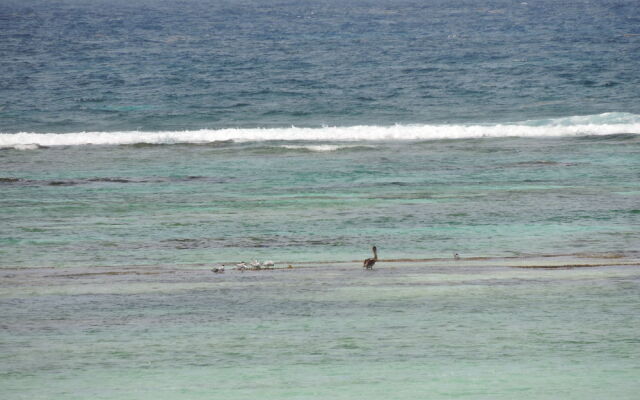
[243, 266]
[257, 265]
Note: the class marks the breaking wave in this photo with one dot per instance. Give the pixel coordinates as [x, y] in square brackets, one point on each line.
[322, 148]
[597, 125]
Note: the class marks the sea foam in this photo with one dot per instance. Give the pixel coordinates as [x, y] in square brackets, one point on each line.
[322, 148]
[600, 124]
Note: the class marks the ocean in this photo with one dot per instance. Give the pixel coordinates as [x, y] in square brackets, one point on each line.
[490, 150]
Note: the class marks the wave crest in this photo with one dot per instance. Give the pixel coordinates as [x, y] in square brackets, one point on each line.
[323, 148]
[600, 124]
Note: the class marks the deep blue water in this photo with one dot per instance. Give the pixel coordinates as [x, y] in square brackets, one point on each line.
[74, 66]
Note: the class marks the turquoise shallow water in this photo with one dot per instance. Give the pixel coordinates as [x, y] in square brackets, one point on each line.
[400, 331]
[319, 201]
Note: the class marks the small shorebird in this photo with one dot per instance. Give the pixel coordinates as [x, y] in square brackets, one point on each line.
[256, 264]
[241, 266]
[269, 264]
[370, 262]
[218, 270]
[456, 256]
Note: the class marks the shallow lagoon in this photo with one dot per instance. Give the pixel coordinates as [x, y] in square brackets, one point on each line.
[403, 330]
[82, 206]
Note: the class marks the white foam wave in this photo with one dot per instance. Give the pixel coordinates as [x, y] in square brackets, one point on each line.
[600, 124]
[26, 146]
[320, 147]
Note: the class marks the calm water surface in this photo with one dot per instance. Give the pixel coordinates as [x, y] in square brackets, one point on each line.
[402, 331]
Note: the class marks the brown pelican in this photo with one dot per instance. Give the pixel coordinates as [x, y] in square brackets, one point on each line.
[370, 262]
